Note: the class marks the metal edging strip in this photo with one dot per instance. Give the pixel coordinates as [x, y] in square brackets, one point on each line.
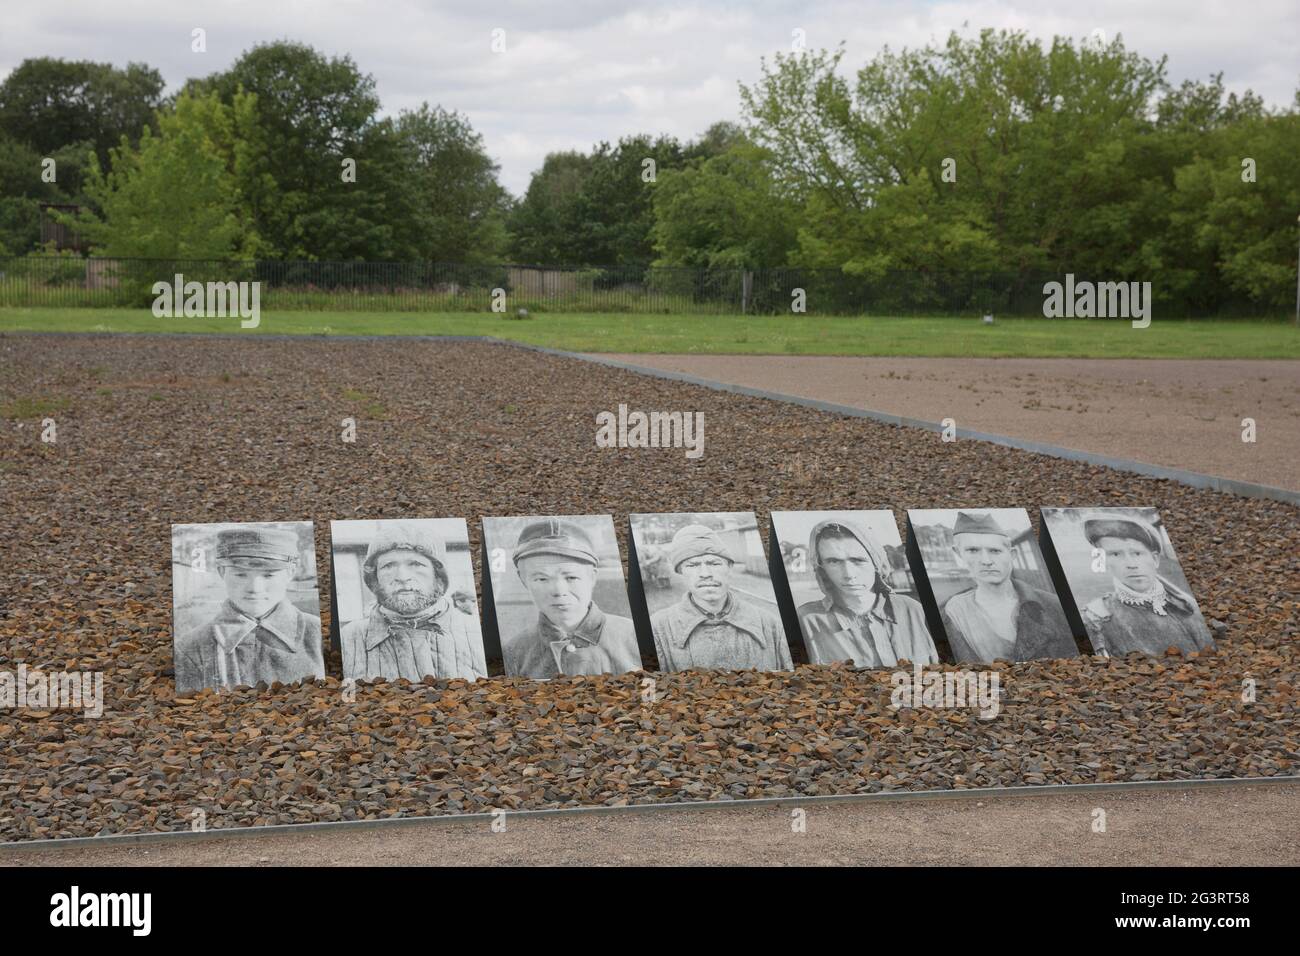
[888, 796]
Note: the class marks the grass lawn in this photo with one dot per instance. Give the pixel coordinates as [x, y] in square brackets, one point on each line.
[735, 334]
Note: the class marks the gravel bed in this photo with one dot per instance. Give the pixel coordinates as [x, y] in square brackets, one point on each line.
[156, 430]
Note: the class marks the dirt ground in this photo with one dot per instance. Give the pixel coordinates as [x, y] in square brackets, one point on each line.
[1181, 414]
[140, 448]
[1234, 826]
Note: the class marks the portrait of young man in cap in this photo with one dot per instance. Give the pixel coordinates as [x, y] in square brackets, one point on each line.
[859, 617]
[413, 629]
[1001, 617]
[557, 562]
[1144, 610]
[257, 633]
[1124, 581]
[714, 625]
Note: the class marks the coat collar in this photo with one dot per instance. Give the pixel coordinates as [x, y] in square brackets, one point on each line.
[882, 609]
[232, 625]
[383, 622]
[739, 614]
[588, 631]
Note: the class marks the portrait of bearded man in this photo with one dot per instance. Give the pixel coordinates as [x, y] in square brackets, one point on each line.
[413, 629]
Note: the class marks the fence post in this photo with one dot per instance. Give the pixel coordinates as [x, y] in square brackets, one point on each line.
[746, 289]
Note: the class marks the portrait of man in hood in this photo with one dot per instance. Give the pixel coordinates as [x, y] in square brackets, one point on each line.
[860, 617]
[412, 628]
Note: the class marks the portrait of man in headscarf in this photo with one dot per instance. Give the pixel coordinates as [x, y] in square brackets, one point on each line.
[860, 617]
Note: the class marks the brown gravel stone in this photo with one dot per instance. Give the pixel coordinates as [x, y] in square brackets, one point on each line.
[160, 430]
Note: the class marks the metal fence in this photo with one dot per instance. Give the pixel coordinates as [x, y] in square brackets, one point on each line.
[51, 281]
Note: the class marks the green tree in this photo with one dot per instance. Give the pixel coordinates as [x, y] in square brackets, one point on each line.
[985, 151]
[24, 189]
[544, 225]
[457, 208]
[616, 203]
[594, 209]
[1247, 228]
[313, 112]
[177, 194]
[724, 212]
[49, 104]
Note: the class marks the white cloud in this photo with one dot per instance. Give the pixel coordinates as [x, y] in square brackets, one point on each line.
[579, 71]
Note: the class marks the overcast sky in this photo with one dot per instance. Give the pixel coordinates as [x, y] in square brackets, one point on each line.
[578, 71]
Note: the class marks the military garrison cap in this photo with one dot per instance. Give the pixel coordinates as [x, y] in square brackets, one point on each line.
[558, 537]
[1094, 529]
[977, 524]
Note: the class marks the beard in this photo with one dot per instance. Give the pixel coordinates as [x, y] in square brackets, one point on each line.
[411, 601]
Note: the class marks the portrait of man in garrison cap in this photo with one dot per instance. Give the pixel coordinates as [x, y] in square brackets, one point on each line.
[1126, 581]
[1000, 617]
[725, 615]
[991, 585]
[847, 591]
[561, 564]
[412, 625]
[257, 632]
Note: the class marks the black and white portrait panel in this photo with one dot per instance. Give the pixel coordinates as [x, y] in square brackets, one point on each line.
[708, 592]
[991, 586]
[1125, 580]
[559, 596]
[245, 607]
[404, 591]
[852, 588]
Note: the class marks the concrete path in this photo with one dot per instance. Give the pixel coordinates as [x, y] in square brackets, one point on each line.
[1181, 414]
[1241, 826]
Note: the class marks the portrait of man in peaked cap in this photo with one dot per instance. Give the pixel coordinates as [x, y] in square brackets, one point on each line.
[560, 562]
[257, 632]
[413, 625]
[852, 609]
[724, 615]
[1126, 581]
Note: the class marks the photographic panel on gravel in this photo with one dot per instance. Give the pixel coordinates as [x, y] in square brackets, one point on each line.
[844, 584]
[987, 589]
[1121, 581]
[245, 604]
[555, 598]
[404, 601]
[705, 591]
